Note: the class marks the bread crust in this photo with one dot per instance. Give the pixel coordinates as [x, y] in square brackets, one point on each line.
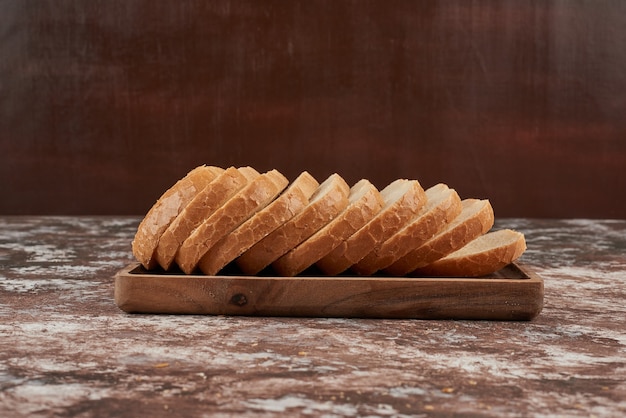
[442, 206]
[284, 208]
[165, 210]
[212, 217]
[258, 193]
[482, 256]
[397, 212]
[206, 202]
[365, 202]
[328, 201]
[475, 219]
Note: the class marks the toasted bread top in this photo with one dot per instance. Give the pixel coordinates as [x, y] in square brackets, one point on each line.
[166, 209]
[205, 203]
[285, 207]
[442, 206]
[403, 199]
[328, 201]
[482, 256]
[364, 203]
[258, 193]
[475, 219]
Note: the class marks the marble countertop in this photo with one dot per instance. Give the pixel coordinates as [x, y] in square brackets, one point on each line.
[67, 350]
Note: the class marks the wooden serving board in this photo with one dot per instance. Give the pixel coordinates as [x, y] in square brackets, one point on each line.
[513, 293]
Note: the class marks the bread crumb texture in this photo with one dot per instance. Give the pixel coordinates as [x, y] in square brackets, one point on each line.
[238, 221]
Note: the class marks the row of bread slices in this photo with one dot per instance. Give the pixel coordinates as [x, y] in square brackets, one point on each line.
[214, 217]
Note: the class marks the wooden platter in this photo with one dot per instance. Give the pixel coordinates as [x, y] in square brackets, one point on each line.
[513, 293]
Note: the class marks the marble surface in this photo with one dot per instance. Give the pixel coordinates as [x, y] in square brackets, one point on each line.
[67, 350]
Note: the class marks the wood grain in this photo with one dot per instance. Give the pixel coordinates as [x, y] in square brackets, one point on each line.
[514, 293]
[103, 107]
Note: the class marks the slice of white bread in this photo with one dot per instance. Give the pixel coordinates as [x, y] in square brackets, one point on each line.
[484, 255]
[403, 199]
[475, 219]
[442, 206]
[365, 202]
[206, 202]
[327, 202]
[285, 207]
[254, 196]
[165, 210]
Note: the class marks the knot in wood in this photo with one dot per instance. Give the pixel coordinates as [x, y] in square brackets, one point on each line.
[239, 299]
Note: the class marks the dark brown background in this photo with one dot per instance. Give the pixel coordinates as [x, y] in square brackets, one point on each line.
[105, 104]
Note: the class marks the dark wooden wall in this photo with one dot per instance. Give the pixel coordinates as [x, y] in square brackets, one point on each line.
[105, 104]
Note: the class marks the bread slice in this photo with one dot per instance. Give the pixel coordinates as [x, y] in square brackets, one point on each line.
[475, 219]
[165, 210]
[403, 199]
[327, 202]
[484, 255]
[257, 194]
[442, 206]
[206, 202]
[285, 207]
[364, 203]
